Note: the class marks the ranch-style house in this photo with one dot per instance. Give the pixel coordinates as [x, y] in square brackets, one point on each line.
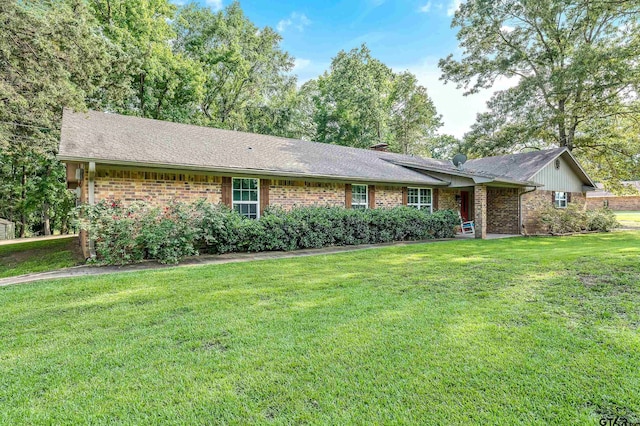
[111, 156]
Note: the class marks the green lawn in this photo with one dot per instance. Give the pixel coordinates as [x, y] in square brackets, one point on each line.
[629, 219]
[38, 256]
[516, 331]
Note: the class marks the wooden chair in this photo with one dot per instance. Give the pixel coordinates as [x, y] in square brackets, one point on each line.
[466, 227]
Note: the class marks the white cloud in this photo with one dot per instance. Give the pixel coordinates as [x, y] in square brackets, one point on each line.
[453, 6]
[458, 111]
[214, 4]
[296, 20]
[506, 28]
[426, 8]
[300, 64]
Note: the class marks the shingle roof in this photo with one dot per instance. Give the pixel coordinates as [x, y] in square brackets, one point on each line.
[524, 166]
[118, 139]
[601, 192]
[521, 167]
[113, 138]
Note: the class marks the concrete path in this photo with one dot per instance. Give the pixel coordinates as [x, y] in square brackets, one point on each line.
[86, 270]
[30, 240]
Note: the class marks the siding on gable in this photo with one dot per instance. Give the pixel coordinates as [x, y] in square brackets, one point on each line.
[456, 181]
[563, 179]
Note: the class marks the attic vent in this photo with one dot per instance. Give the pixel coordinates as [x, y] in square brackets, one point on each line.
[557, 163]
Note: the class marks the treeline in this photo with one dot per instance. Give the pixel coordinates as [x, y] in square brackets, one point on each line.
[187, 64]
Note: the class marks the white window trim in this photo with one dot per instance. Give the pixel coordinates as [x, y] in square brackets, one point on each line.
[558, 201]
[420, 205]
[366, 196]
[257, 203]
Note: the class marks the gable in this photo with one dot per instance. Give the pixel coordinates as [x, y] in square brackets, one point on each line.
[563, 179]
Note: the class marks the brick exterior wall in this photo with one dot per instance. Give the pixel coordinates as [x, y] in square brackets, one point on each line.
[534, 203]
[627, 203]
[480, 208]
[447, 199]
[162, 187]
[156, 187]
[288, 194]
[502, 210]
[388, 196]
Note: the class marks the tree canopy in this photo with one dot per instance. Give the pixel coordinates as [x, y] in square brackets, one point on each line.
[577, 71]
[360, 102]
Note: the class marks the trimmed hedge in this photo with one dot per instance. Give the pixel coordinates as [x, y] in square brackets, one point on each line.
[127, 234]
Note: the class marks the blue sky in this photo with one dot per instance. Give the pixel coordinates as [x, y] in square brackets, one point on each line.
[404, 34]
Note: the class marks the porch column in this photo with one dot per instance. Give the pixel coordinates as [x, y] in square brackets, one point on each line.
[480, 210]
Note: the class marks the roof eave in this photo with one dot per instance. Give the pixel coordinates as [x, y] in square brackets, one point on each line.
[242, 171]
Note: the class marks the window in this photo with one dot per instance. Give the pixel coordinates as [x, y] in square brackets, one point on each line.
[561, 200]
[245, 197]
[359, 196]
[419, 198]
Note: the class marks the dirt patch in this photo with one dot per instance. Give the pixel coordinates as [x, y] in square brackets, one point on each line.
[215, 346]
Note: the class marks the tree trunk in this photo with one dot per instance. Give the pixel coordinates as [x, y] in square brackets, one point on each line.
[141, 94]
[23, 216]
[46, 219]
[562, 130]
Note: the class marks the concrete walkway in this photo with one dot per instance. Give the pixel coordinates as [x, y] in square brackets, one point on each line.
[88, 270]
[30, 240]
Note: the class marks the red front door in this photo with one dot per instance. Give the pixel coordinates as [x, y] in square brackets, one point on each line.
[464, 205]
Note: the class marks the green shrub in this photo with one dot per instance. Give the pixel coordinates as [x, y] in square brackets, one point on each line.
[602, 220]
[575, 219]
[128, 234]
[131, 234]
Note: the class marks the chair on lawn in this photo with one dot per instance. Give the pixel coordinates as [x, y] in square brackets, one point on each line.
[466, 227]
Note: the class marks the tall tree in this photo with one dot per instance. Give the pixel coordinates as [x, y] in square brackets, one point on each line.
[50, 56]
[246, 73]
[360, 102]
[575, 61]
[354, 99]
[414, 118]
[162, 82]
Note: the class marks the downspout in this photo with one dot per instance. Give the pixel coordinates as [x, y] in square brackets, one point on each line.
[92, 201]
[520, 224]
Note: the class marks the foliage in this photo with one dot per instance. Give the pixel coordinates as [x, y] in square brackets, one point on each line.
[51, 56]
[132, 233]
[575, 218]
[361, 102]
[247, 79]
[444, 147]
[576, 75]
[162, 83]
[140, 231]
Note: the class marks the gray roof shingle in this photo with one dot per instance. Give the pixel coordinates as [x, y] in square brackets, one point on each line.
[520, 167]
[113, 138]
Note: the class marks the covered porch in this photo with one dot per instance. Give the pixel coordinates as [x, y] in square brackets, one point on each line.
[495, 210]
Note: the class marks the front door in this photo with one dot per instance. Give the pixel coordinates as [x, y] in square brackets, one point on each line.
[464, 205]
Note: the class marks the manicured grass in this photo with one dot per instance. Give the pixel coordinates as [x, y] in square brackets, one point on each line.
[515, 331]
[629, 219]
[38, 256]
